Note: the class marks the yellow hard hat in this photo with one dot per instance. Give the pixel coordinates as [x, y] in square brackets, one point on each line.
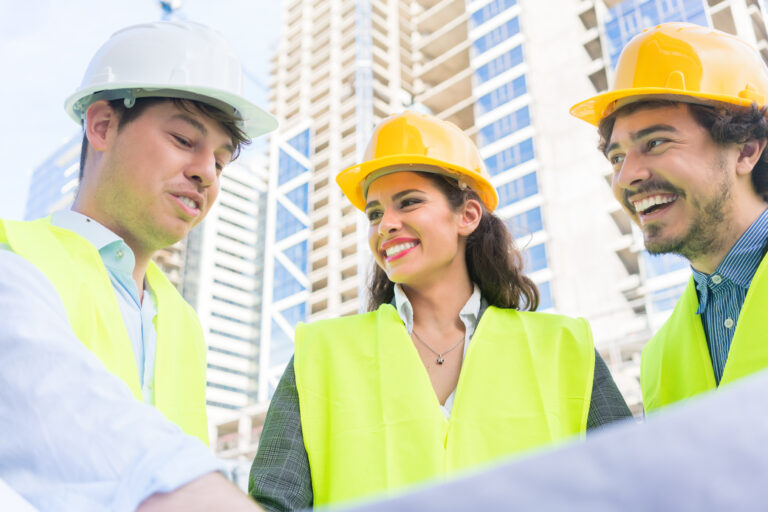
[684, 62]
[416, 139]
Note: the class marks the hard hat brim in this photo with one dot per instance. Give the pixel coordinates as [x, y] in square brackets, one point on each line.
[352, 179]
[595, 109]
[254, 120]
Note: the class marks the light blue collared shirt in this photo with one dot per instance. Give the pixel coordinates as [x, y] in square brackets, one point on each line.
[722, 294]
[138, 315]
[73, 436]
[469, 316]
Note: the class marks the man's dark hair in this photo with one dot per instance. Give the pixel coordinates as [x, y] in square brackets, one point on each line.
[125, 115]
[726, 124]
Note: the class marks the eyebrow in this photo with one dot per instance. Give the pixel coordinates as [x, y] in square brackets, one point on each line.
[197, 125]
[394, 197]
[642, 133]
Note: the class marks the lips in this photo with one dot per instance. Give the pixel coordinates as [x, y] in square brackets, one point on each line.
[395, 249]
[649, 204]
[190, 205]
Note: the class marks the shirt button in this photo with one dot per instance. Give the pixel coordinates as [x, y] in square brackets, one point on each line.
[728, 323]
[119, 254]
[717, 279]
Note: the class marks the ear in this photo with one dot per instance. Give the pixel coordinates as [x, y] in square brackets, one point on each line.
[749, 155]
[470, 216]
[100, 121]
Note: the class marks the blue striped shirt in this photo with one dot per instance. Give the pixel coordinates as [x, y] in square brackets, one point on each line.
[721, 294]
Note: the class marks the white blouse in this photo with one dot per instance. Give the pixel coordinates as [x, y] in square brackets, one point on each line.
[468, 315]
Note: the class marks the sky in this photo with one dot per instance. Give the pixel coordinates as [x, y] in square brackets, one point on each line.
[45, 47]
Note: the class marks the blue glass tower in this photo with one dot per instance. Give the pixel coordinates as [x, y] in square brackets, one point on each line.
[505, 133]
[286, 266]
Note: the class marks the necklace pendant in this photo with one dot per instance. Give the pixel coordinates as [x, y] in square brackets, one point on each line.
[440, 359]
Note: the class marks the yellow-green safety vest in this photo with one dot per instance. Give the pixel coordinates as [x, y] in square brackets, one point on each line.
[676, 363]
[371, 420]
[74, 267]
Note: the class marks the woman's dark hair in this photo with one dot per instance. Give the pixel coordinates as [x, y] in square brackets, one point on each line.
[726, 124]
[229, 122]
[494, 263]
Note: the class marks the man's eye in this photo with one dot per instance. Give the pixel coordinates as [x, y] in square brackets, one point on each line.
[181, 140]
[616, 159]
[654, 143]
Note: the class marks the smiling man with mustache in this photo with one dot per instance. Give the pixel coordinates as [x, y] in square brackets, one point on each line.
[685, 129]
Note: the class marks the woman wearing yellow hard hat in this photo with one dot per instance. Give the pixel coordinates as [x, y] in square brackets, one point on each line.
[450, 368]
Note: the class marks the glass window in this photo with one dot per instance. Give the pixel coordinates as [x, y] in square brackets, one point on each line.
[295, 314]
[301, 143]
[659, 264]
[489, 11]
[500, 96]
[628, 18]
[285, 284]
[535, 258]
[288, 168]
[300, 197]
[545, 296]
[525, 223]
[500, 64]
[510, 157]
[504, 126]
[286, 223]
[281, 346]
[496, 36]
[518, 189]
[666, 298]
[298, 255]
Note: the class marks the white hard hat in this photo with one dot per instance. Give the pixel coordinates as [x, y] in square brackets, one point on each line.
[169, 59]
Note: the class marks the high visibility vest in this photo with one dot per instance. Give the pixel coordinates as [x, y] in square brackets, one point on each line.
[676, 362]
[371, 420]
[74, 267]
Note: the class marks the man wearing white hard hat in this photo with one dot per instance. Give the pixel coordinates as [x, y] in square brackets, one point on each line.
[685, 130]
[102, 387]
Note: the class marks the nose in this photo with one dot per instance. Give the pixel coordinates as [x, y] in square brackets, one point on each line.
[634, 170]
[390, 222]
[202, 169]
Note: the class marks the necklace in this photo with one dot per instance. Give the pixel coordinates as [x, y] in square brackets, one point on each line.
[440, 359]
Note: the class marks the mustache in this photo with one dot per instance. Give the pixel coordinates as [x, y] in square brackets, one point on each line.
[654, 185]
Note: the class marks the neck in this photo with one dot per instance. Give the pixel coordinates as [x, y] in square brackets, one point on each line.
[141, 255]
[139, 271]
[737, 225]
[436, 307]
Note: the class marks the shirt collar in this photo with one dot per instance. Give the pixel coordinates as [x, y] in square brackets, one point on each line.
[86, 227]
[469, 313]
[739, 265]
[113, 250]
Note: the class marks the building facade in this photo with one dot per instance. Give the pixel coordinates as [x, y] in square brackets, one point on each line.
[53, 183]
[222, 276]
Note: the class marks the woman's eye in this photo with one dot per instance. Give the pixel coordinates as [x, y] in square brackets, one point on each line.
[410, 201]
[373, 216]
